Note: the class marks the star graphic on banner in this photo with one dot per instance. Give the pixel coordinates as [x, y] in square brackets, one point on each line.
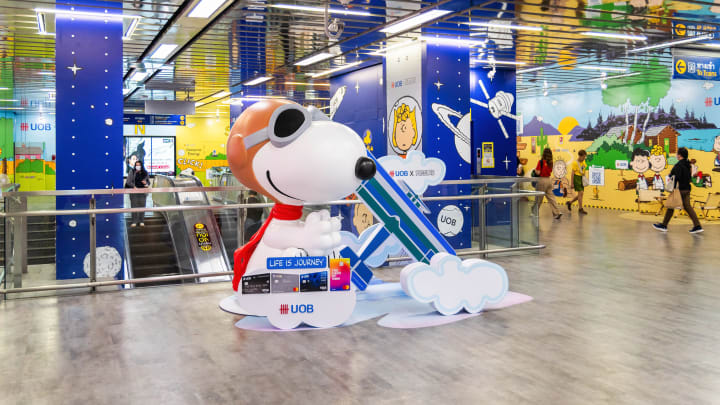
[507, 162]
[357, 87]
[74, 68]
[438, 84]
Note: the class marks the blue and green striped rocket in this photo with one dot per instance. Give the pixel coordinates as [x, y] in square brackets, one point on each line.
[402, 213]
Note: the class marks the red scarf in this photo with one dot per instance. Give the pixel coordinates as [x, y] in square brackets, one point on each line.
[242, 256]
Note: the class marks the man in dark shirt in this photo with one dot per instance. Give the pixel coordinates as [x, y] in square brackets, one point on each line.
[683, 174]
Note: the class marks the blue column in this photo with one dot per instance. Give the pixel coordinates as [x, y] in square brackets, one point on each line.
[89, 135]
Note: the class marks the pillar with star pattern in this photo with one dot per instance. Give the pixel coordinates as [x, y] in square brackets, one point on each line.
[89, 139]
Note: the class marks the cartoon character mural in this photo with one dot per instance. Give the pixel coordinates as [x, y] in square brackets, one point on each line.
[641, 164]
[362, 218]
[560, 180]
[716, 149]
[406, 126]
[658, 163]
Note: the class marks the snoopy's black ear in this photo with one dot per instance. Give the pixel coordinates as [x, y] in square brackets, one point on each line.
[289, 121]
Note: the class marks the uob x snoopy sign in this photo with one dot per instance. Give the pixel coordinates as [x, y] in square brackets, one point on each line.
[296, 155]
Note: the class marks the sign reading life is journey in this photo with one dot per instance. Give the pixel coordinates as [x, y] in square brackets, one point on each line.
[696, 68]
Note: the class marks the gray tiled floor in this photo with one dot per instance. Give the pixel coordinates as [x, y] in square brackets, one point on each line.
[622, 314]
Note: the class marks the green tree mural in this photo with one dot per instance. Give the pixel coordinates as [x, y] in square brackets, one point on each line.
[635, 91]
[6, 138]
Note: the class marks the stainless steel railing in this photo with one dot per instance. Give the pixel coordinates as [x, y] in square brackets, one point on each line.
[17, 247]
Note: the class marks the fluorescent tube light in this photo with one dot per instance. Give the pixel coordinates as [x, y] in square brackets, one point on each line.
[384, 51]
[41, 23]
[307, 84]
[205, 8]
[500, 62]
[221, 93]
[507, 26]
[452, 41]
[614, 35]
[314, 59]
[337, 69]
[414, 21]
[7, 101]
[4, 88]
[138, 76]
[257, 80]
[131, 29]
[163, 51]
[12, 108]
[597, 79]
[46, 73]
[605, 68]
[672, 43]
[53, 90]
[319, 9]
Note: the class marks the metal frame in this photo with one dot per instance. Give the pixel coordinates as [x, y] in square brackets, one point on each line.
[17, 260]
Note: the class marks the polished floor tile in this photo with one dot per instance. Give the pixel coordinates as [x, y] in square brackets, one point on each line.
[622, 314]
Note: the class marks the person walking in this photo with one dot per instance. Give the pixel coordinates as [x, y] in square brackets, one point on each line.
[578, 172]
[138, 178]
[545, 184]
[682, 173]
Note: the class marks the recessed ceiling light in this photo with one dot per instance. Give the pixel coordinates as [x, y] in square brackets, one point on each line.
[672, 43]
[606, 68]
[414, 21]
[319, 9]
[506, 26]
[314, 59]
[219, 94]
[614, 35]
[337, 69]
[500, 62]
[138, 76]
[163, 51]
[307, 84]
[206, 8]
[257, 80]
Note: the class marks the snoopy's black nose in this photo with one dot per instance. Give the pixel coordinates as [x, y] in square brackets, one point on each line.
[364, 168]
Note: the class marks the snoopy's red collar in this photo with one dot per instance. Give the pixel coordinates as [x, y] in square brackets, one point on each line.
[284, 212]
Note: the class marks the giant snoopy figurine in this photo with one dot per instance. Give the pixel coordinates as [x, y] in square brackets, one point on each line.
[295, 155]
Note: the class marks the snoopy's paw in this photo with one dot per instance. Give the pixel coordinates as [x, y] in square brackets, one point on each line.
[322, 233]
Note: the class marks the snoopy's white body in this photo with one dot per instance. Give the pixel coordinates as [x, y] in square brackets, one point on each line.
[318, 166]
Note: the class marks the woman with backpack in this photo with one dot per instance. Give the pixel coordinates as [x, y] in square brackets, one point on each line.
[545, 184]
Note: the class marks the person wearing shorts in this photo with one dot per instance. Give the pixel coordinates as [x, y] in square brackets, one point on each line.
[578, 173]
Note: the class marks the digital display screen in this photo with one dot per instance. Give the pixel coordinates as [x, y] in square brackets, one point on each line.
[156, 152]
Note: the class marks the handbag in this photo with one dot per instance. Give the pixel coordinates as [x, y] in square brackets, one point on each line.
[674, 200]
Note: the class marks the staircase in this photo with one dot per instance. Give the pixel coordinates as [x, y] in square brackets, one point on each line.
[40, 240]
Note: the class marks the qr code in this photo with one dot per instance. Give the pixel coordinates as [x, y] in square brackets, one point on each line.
[596, 178]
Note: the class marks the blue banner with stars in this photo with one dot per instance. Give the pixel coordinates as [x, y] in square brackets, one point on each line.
[89, 113]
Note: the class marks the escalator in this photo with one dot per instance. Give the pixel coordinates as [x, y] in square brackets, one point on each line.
[177, 242]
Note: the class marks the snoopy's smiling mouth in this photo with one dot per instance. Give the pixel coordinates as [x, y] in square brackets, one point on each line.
[267, 174]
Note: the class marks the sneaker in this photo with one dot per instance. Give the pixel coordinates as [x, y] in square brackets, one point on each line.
[133, 225]
[142, 223]
[660, 227]
[569, 205]
[697, 229]
[558, 216]
[582, 211]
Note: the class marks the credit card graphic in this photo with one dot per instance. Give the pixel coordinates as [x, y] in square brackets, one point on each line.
[314, 281]
[285, 283]
[256, 284]
[340, 274]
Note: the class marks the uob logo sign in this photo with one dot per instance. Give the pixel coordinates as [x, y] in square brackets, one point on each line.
[296, 309]
[35, 126]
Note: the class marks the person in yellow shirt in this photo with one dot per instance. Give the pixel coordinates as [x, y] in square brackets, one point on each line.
[578, 173]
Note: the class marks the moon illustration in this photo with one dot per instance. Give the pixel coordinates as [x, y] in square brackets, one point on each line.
[461, 130]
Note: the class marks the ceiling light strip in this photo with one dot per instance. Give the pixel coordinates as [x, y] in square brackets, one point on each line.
[500, 62]
[672, 43]
[505, 26]
[206, 8]
[314, 59]
[337, 69]
[614, 35]
[257, 80]
[319, 9]
[414, 21]
[103, 16]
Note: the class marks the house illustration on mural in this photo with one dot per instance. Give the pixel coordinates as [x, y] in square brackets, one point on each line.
[663, 135]
[28, 152]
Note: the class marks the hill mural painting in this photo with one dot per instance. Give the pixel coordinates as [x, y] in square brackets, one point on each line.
[631, 133]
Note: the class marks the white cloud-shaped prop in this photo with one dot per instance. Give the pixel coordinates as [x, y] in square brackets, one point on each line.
[451, 284]
[416, 170]
[391, 246]
[108, 263]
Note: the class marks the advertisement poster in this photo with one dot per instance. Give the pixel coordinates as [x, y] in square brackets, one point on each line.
[157, 153]
[404, 98]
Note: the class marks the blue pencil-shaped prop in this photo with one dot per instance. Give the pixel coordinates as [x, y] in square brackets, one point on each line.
[401, 211]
